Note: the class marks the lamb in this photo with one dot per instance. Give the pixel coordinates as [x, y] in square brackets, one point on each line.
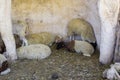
[82, 28]
[78, 46]
[36, 51]
[41, 38]
[81, 47]
[61, 40]
[4, 66]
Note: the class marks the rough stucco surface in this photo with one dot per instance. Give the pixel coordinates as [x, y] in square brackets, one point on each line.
[53, 15]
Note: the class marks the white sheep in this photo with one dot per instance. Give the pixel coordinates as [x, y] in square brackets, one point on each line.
[81, 47]
[41, 38]
[82, 28]
[4, 67]
[78, 46]
[36, 51]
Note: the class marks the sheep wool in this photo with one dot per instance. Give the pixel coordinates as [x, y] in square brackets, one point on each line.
[41, 38]
[83, 47]
[4, 68]
[36, 51]
[83, 28]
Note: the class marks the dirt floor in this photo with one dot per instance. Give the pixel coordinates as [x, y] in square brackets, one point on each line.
[61, 65]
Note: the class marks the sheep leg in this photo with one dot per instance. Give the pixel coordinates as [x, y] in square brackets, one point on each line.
[108, 11]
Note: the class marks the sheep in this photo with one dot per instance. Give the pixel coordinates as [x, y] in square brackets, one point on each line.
[81, 47]
[82, 28]
[4, 66]
[20, 28]
[78, 46]
[61, 40]
[43, 38]
[36, 51]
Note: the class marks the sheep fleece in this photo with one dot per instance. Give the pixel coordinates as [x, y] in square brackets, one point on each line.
[37, 51]
[83, 28]
[84, 47]
[40, 38]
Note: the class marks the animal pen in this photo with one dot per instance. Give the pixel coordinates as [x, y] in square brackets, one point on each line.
[59, 39]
